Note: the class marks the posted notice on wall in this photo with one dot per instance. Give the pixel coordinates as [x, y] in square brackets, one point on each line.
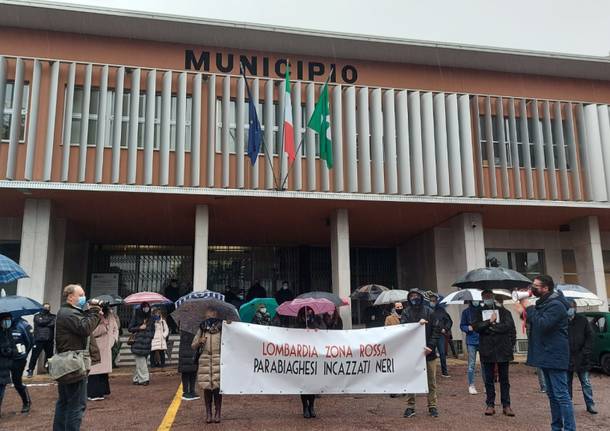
[259, 359]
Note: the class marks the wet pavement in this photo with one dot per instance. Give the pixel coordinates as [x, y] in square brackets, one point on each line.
[143, 407]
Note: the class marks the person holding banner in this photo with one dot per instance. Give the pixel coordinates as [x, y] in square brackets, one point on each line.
[497, 338]
[417, 311]
[206, 343]
[306, 319]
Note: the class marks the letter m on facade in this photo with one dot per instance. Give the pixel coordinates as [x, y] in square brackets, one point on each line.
[192, 62]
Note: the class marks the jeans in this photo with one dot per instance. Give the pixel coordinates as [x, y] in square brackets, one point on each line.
[585, 384]
[47, 346]
[141, 372]
[16, 377]
[70, 406]
[562, 412]
[442, 353]
[432, 397]
[472, 361]
[541, 381]
[490, 387]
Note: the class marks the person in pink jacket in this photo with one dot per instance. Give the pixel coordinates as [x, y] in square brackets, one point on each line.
[158, 345]
[106, 334]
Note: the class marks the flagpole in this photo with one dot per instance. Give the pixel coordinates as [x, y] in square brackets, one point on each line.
[290, 165]
[262, 135]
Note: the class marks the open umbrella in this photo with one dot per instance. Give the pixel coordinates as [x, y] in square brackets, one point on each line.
[492, 278]
[461, 296]
[318, 305]
[191, 313]
[10, 271]
[369, 292]
[111, 299]
[581, 295]
[203, 294]
[148, 297]
[18, 306]
[248, 310]
[391, 296]
[317, 294]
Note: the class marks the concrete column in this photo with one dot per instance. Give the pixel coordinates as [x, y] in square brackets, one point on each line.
[339, 250]
[589, 260]
[42, 253]
[200, 259]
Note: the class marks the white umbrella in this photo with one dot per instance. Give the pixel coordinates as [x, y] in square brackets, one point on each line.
[461, 296]
[391, 297]
[581, 295]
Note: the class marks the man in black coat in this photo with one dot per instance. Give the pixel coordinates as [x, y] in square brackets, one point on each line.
[44, 329]
[581, 347]
[497, 338]
[256, 291]
[442, 319]
[418, 312]
[284, 294]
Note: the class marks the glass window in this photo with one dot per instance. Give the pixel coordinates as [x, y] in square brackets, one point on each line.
[110, 119]
[570, 275]
[8, 110]
[527, 262]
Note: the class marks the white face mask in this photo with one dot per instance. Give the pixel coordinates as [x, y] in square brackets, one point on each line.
[263, 310]
[285, 287]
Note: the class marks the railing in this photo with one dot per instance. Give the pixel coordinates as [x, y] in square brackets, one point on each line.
[116, 124]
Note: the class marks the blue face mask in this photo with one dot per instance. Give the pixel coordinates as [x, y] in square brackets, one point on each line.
[476, 303]
[488, 302]
[571, 312]
[82, 300]
[6, 323]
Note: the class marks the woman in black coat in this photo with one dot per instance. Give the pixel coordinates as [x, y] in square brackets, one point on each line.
[306, 319]
[8, 351]
[497, 338]
[143, 328]
[187, 366]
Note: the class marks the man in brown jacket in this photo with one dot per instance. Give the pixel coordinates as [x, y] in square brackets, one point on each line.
[74, 325]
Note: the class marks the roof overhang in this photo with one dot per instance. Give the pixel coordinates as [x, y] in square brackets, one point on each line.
[245, 36]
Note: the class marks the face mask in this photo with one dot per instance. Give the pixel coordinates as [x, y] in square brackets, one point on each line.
[476, 303]
[415, 301]
[571, 312]
[45, 310]
[263, 310]
[6, 323]
[536, 292]
[398, 311]
[488, 302]
[285, 287]
[146, 309]
[82, 300]
[156, 317]
[433, 304]
[208, 323]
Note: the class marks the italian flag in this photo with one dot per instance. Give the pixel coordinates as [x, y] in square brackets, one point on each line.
[288, 125]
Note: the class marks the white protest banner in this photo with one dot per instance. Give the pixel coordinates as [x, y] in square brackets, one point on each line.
[259, 359]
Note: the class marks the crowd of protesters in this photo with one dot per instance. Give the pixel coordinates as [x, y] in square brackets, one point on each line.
[560, 345]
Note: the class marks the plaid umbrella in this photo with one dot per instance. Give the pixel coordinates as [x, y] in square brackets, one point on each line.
[199, 295]
[148, 297]
[190, 315]
[10, 271]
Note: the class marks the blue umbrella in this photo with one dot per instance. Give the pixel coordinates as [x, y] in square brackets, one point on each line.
[10, 271]
[19, 306]
[203, 294]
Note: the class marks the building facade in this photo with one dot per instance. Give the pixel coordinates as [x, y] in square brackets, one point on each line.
[446, 159]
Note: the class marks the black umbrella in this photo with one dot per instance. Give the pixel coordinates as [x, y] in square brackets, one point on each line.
[492, 278]
[111, 299]
[191, 313]
[317, 294]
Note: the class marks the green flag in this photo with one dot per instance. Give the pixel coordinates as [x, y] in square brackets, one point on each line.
[320, 123]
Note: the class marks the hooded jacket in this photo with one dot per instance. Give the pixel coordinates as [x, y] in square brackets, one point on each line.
[413, 314]
[549, 346]
[581, 343]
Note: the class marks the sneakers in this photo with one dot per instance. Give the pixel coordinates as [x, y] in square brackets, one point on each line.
[432, 411]
[95, 398]
[446, 375]
[592, 410]
[472, 390]
[409, 412]
[190, 397]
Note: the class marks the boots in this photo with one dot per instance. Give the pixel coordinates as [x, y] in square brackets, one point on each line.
[217, 405]
[25, 398]
[207, 398]
[312, 412]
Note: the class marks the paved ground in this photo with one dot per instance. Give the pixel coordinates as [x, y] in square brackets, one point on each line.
[143, 408]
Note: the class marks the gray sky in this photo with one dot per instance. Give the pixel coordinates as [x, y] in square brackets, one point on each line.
[563, 26]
